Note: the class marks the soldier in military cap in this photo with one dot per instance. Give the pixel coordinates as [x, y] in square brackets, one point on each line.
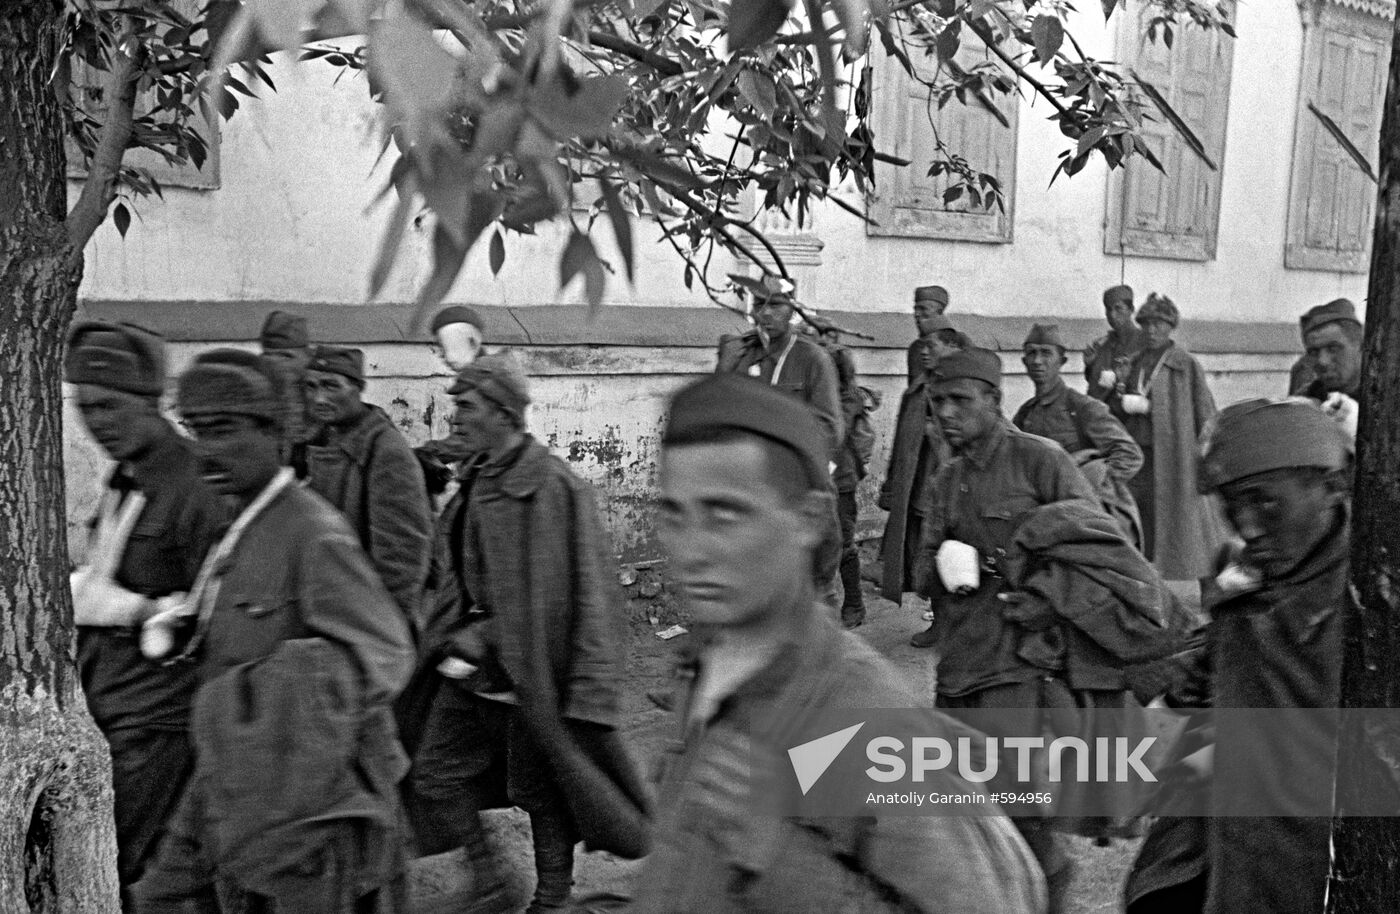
[743, 494]
[299, 652]
[533, 663]
[362, 464]
[1104, 451]
[930, 303]
[1108, 358]
[1333, 336]
[457, 340]
[156, 522]
[286, 344]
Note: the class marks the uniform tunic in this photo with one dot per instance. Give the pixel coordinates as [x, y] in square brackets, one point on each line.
[715, 855]
[1111, 352]
[141, 706]
[1086, 429]
[918, 450]
[979, 498]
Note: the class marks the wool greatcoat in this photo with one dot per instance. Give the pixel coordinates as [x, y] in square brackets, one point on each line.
[535, 582]
[1187, 531]
[369, 472]
[918, 450]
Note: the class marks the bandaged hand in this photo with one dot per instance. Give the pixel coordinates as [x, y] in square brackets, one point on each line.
[1344, 410]
[158, 631]
[1027, 610]
[100, 602]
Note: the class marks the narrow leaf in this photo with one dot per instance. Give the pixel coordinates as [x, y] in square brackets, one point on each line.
[393, 237]
[575, 254]
[1356, 155]
[278, 22]
[416, 73]
[758, 90]
[121, 218]
[1108, 7]
[1187, 135]
[497, 252]
[621, 226]
[448, 254]
[852, 14]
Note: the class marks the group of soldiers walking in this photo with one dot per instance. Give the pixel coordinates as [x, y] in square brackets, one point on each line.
[307, 674]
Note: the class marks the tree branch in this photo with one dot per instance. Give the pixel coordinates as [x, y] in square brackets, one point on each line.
[663, 65]
[100, 188]
[982, 32]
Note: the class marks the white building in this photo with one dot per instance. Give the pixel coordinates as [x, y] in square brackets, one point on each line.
[1282, 224]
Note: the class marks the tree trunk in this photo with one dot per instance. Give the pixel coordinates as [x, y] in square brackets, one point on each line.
[57, 843]
[1366, 871]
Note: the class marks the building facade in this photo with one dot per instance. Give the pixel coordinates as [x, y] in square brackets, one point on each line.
[1281, 222]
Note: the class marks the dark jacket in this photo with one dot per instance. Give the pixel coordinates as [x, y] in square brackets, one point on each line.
[916, 453]
[1275, 647]
[708, 860]
[181, 521]
[540, 572]
[1104, 451]
[806, 372]
[849, 467]
[298, 574]
[369, 472]
[981, 497]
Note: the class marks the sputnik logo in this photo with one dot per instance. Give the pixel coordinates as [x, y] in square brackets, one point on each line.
[811, 759]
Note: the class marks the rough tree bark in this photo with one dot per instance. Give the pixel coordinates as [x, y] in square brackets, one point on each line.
[1366, 869]
[57, 842]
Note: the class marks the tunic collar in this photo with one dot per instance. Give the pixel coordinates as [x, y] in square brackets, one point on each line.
[1054, 394]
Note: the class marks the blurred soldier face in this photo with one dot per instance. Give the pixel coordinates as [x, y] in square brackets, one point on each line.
[238, 455]
[1120, 315]
[1335, 355]
[1282, 515]
[773, 317]
[292, 361]
[331, 399]
[924, 313]
[966, 409]
[482, 426]
[458, 345]
[740, 542]
[1043, 363]
[935, 348]
[124, 424]
[1156, 333]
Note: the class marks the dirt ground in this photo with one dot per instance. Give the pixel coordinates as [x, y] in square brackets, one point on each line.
[438, 883]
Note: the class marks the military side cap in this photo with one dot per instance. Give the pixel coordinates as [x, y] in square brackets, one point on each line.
[231, 382]
[1045, 335]
[284, 331]
[1159, 308]
[940, 322]
[936, 294]
[117, 356]
[980, 364]
[457, 314]
[1256, 436]
[1337, 310]
[499, 378]
[348, 363]
[1118, 293]
[734, 402]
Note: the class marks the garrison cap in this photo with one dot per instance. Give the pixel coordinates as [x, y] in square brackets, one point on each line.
[231, 382]
[284, 331]
[499, 378]
[1159, 308]
[936, 294]
[1336, 311]
[1118, 293]
[348, 363]
[733, 402]
[457, 314]
[1045, 335]
[1256, 436]
[116, 356]
[980, 364]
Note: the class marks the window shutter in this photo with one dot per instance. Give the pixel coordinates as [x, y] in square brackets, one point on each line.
[1173, 214]
[1332, 201]
[906, 202]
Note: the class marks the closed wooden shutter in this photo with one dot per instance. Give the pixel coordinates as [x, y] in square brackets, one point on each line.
[1332, 201]
[1173, 214]
[906, 202]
